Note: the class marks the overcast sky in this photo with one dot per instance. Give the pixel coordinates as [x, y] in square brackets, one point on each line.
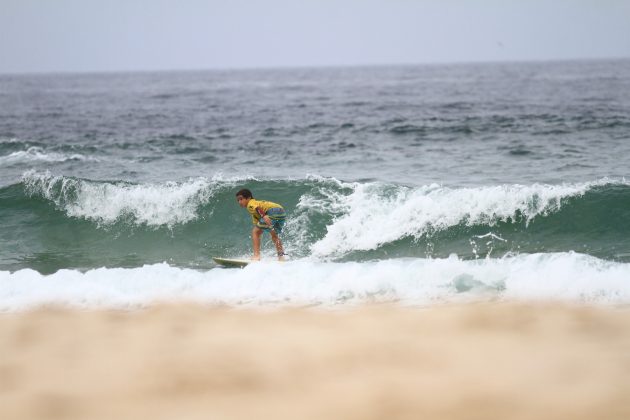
[110, 35]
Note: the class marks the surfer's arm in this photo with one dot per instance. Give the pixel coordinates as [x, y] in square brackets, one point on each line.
[263, 216]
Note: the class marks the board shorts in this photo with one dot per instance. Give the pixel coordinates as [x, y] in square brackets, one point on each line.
[278, 218]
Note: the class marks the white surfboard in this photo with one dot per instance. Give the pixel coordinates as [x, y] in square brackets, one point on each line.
[231, 262]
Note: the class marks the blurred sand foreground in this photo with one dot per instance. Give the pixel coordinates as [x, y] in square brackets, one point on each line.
[473, 361]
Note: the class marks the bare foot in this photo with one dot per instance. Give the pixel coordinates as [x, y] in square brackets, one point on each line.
[256, 258]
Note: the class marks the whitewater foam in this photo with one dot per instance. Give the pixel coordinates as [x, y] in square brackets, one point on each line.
[167, 204]
[38, 154]
[561, 276]
[375, 214]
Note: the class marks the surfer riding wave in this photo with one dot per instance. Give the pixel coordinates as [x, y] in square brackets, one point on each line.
[266, 217]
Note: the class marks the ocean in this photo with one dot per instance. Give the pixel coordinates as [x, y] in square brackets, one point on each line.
[416, 184]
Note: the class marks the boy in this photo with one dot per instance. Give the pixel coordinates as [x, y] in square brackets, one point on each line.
[266, 216]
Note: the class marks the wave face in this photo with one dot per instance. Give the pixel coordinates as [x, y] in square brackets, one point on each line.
[414, 281]
[56, 222]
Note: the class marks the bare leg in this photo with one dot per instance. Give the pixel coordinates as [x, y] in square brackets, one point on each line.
[276, 240]
[256, 234]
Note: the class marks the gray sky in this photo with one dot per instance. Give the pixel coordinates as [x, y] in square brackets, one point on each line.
[106, 35]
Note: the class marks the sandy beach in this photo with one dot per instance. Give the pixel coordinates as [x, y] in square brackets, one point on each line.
[470, 361]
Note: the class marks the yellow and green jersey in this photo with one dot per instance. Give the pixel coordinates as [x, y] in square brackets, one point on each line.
[259, 208]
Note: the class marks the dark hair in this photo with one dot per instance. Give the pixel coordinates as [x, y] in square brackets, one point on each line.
[245, 193]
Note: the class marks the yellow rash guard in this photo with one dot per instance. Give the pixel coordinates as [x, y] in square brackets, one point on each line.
[260, 208]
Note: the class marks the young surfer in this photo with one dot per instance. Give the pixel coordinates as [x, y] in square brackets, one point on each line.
[266, 217]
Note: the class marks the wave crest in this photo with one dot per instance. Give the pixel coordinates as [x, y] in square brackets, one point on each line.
[105, 203]
[327, 219]
[375, 214]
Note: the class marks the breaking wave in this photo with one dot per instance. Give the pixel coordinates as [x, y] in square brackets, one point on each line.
[116, 223]
[557, 276]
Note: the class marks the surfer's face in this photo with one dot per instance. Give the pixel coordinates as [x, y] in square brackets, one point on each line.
[242, 201]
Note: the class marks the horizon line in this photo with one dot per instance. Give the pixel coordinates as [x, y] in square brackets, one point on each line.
[309, 66]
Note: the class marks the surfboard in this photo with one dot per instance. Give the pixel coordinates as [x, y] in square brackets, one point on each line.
[237, 262]
[231, 262]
